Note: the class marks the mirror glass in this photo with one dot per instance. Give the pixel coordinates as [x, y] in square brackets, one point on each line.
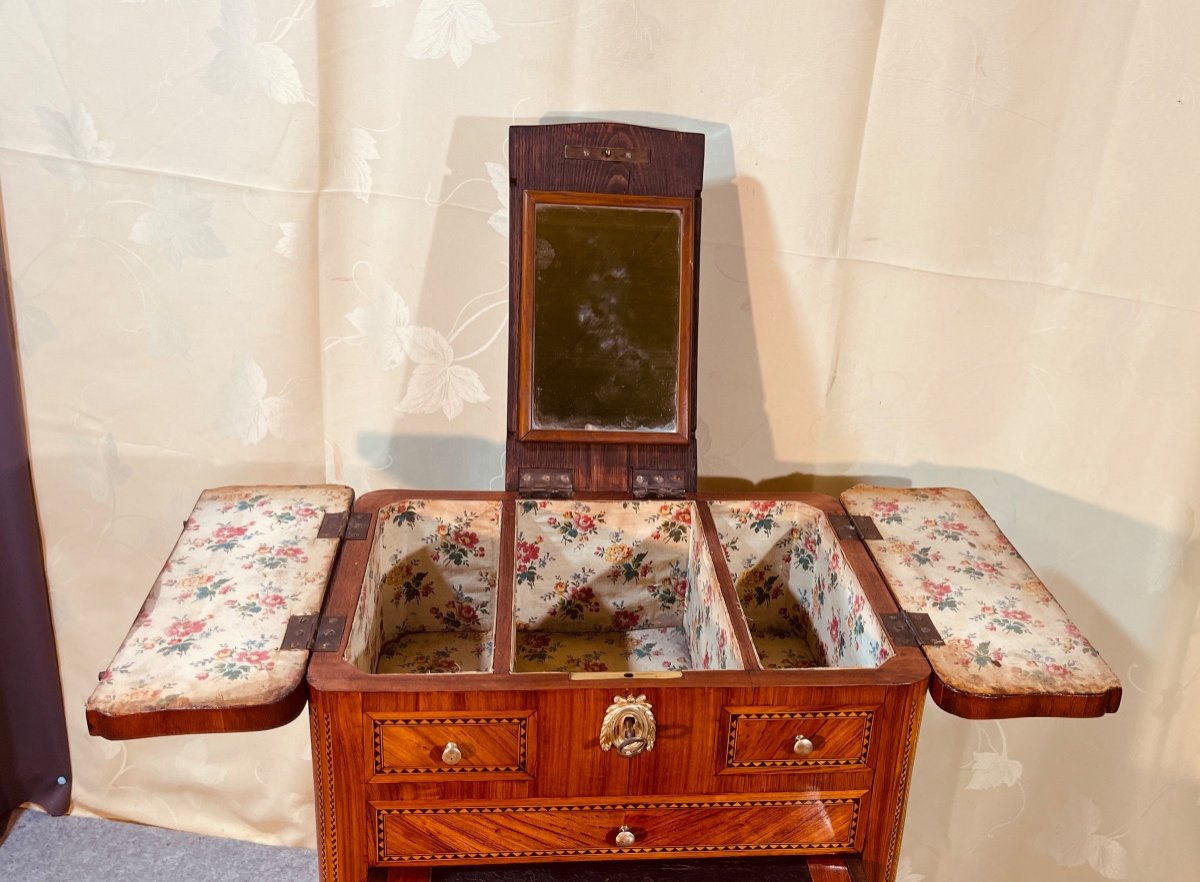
[606, 310]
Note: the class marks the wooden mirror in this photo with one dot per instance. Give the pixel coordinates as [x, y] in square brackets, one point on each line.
[606, 318]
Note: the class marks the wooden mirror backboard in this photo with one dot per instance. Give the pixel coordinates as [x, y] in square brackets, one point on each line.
[603, 294]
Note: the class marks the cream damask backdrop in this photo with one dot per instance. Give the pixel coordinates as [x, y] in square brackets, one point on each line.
[944, 243]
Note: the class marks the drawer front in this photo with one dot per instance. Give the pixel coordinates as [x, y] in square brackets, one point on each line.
[441, 746]
[765, 739]
[521, 832]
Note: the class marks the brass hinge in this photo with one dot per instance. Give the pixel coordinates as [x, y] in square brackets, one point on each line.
[607, 154]
[546, 483]
[854, 527]
[912, 629]
[657, 484]
[306, 632]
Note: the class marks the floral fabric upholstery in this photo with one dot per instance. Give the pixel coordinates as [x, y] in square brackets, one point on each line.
[627, 578]
[436, 652]
[640, 650]
[208, 634]
[943, 555]
[780, 649]
[706, 619]
[601, 566]
[804, 604]
[433, 570]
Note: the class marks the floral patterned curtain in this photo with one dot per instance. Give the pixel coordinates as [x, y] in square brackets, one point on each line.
[944, 243]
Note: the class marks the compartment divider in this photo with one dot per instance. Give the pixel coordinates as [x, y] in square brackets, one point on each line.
[502, 650]
[737, 615]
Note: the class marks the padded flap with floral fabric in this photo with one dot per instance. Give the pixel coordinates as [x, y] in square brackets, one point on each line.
[208, 636]
[1010, 649]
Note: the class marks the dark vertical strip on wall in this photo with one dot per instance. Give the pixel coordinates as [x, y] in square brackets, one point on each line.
[35, 765]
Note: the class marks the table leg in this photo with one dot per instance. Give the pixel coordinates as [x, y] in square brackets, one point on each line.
[835, 869]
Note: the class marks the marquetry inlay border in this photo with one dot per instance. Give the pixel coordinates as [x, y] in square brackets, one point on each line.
[327, 843]
[521, 766]
[735, 717]
[910, 748]
[382, 814]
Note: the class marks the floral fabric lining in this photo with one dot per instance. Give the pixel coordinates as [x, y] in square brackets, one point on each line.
[633, 579]
[610, 585]
[943, 555]
[707, 619]
[640, 650]
[432, 570]
[436, 652]
[778, 649]
[208, 634]
[601, 566]
[804, 604]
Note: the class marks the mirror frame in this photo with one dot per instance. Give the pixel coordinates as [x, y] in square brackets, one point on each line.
[527, 431]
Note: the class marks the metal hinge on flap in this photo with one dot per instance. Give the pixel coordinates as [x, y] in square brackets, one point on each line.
[359, 526]
[306, 632]
[854, 527]
[657, 484]
[343, 524]
[546, 483]
[329, 634]
[299, 633]
[333, 525]
[912, 629]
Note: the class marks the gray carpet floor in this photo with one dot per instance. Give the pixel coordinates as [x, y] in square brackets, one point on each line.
[39, 848]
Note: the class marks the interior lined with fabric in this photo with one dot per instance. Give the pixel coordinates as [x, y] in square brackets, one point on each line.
[620, 586]
[805, 606]
[428, 600]
[616, 586]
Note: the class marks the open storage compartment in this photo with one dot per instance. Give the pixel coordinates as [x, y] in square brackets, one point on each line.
[609, 587]
[803, 603]
[428, 600]
[617, 586]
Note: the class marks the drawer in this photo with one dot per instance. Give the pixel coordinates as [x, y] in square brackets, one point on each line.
[766, 739]
[491, 746]
[530, 830]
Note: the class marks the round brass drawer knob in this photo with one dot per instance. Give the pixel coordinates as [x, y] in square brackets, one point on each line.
[451, 754]
[625, 837]
[802, 746]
